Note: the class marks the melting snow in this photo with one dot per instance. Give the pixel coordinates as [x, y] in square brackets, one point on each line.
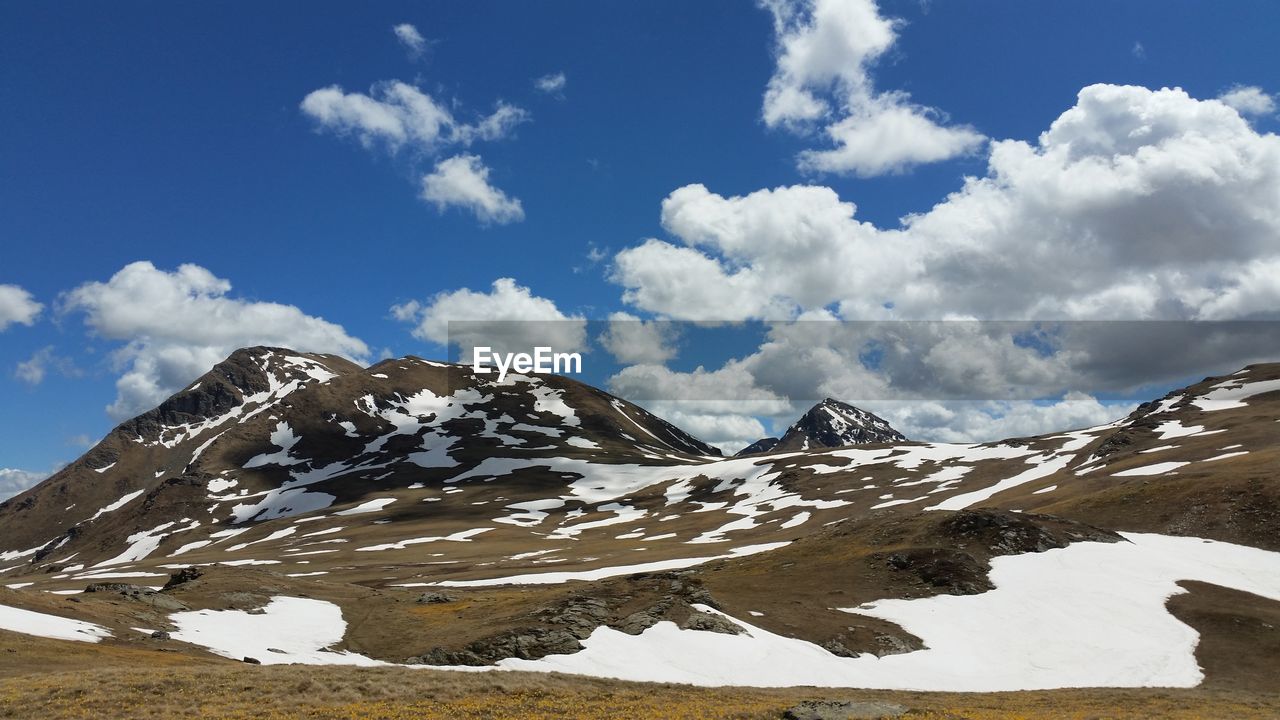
[282, 438]
[463, 536]
[43, 625]
[1157, 469]
[144, 543]
[118, 504]
[1232, 394]
[287, 630]
[799, 519]
[286, 532]
[367, 507]
[1173, 429]
[531, 513]
[622, 514]
[555, 578]
[1226, 455]
[1088, 615]
[221, 485]
[1041, 466]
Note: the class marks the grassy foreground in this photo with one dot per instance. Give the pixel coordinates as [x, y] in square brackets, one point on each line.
[232, 691]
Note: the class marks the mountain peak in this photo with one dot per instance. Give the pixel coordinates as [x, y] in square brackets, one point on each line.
[830, 423]
[248, 374]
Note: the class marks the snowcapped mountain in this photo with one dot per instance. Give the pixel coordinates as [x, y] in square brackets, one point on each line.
[829, 424]
[271, 433]
[559, 526]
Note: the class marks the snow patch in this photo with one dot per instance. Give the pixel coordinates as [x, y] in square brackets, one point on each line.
[1088, 615]
[54, 627]
[287, 630]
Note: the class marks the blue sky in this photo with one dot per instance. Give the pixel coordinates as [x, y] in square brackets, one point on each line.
[173, 133]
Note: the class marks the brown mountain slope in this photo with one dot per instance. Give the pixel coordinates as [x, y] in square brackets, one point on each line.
[534, 511]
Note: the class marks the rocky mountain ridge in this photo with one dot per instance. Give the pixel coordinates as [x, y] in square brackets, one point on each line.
[829, 424]
[533, 513]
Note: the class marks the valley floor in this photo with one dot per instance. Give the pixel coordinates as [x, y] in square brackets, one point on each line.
[241, 691]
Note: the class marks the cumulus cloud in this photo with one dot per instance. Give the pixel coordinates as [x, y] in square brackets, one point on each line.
[961, 421]
[631, 340]
[825, 51]
[508, 318]
[14, 481]
[780, 381]
[17, 307]
[1134, 204]
[175, 325]
[463, 182]
[397, 115]
[410, 38]
[732, 386]
[762, 255]
[1249, 100]
[721, 406]
[887, 135]
[729, 432]
[552, 84]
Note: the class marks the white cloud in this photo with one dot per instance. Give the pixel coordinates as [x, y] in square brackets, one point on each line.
[14, 481]
[17, 307]
[717, 406]
[1138, 50]
[463, 182]
[508, 318]
[410, 38]
[825, 50]
[396, 114]
[1249, 100]
[685, 283]
[495, 126]
[176, 325]
[1255, 293]
[961, 421]
[730, 388]
[728, 431]
[631, 340]
[886, 135]
[725, 406]
[34, 369]
[552, 84]
[771, 251]
[779, 382]
[31, 371]
[1135, 204]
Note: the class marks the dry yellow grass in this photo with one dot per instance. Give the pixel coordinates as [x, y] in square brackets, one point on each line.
[322, 693]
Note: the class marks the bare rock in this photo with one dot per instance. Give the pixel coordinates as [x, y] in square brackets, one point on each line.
[707, 622]
[435, 598]
[182, 577]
